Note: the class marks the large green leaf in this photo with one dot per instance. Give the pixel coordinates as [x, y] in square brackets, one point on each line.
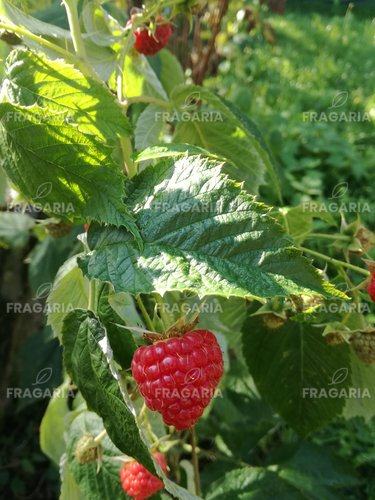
[95, 483]
[87, 358]
[70, 291]
[201, 232]
[69, 487]
[305, 380]
[221, 129]
[15, 229]
[172, 151]
[58, 86]
[52, 427]
[140, 78]
[62, 409]
[317, 473]
[43, 149]
[121, 340]
[171, 72]
[311, 473]
[149, 127]
[52, 136]
[252, 483]
[363, 376]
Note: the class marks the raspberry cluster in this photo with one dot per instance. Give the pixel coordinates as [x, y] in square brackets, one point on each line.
[178, 377]
[138, 482]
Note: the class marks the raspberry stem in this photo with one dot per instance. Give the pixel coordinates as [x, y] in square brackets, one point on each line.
[164, 316]
[146, 100]
[72, 15]
[68, 56]
[127, 150]
[99, 438]
[340, 237]
[195, 460]
[92, 294]
[335, 262]
[145, 314]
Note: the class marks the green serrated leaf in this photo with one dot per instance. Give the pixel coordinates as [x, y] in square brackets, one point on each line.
[252, 483]
[363, 376]
[172, 151]
[317, 473]
[61, 88]
[149, 127]
[15, 229]
[202, 233]
[42, 149]
[224, 132]
[307, 370]
[140, 78]
[87, 357]
[121, 340]
[52, 427]
[60, 128]
[101, 28]
[95, 483]
[70, 291]
[171, 71]
[69, 487]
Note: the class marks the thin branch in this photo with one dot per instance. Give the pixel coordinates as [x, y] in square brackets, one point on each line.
[195, 460]
[203, 67]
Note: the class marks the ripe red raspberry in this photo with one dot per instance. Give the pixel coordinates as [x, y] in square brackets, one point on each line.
[177, 377]
[371, 287]
[138, 482]
[148, 43]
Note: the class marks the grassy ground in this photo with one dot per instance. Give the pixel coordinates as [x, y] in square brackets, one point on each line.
[319, 67]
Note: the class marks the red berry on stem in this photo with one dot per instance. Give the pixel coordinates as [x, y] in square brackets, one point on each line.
[148, 43]
[371, 287]
[138, 482]
[178, 377]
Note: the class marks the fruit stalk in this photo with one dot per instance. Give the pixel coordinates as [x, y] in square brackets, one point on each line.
[195, 460]
[72, 14]
[336, 262]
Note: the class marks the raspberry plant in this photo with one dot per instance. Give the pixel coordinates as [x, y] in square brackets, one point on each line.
[169, 184]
